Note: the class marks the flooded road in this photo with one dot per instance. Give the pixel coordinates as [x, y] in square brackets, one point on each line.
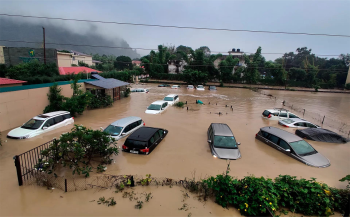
[183, 152]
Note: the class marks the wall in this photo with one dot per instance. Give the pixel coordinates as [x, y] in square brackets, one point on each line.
[64, 59]
[17, 107]
[348, 77]
[17, 55]
[2, 57]
[85, 59]
[10, 85]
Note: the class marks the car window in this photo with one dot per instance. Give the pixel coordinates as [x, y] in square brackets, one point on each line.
[168, 98]
[283, 114]
[67, 116]
[225, 142]
[154, 107]
[152, 140]
[139, 122]
[113, 130]
[292, 115]
[33, 124]
[273, 139]
[275, 113]
[49, 123]
[165, 104]
[302, 147]
[288, 121]
[161, 132]
[265, 134]
[58, 119]
[283, 144]
[135, 143]
[126, 129]
[266, 113]
[301, 124]
[156, 136]
[210, 131]
[310, 125]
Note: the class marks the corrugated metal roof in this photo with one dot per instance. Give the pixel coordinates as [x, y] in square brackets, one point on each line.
[97, 76]
[4, 81]
[108, 83]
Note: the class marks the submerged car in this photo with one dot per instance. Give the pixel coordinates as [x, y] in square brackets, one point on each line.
[321, 135]
[222, 142]
[293, 146]
[164, 85]
[41, 124]
[140, 90]
[171, 99]
[144, 140]
[200, 87]
[175, 86]
[278, 114]
[297, 123]
[157, 107]
[123, 127]
[191, 87]
[212, 88]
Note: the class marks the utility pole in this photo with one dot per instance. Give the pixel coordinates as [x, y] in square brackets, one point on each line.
[44, 46]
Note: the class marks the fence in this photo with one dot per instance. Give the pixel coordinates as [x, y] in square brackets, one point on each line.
[25, 163]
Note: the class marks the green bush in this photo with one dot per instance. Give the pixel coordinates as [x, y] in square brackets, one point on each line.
[165, 76]
[347, 86]
[99, 101]
[179, 104]
[127, 92]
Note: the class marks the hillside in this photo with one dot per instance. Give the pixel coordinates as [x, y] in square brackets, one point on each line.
[12, 30]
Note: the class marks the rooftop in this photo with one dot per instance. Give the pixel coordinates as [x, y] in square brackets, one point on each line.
[125, 121]
[76, 70]
[288, 137]
[5, 81]
[221, 129]
[143, 133]
[108, 83]
[158, 102]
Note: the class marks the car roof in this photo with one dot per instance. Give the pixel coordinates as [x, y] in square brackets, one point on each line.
[221, 129]
[52, 114]
[158, 102]
[171, 95]
[299, 120]
[176, 85]
[277, 110]
[288, 137]
[125, 121]
[143, 133]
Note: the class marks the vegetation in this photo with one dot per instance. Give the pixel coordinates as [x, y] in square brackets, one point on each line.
[179, 104]
[123, 63]
[347, 86]
[108, 202]
[127, 92]
[82, 63]
[76, 149]
[100, 101]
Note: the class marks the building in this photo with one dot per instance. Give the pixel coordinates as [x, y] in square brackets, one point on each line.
[136, 63]
[75, 70]
[6, 82]
[348, 77]
[235, 54]
[107, 86]
[176, 66]
[68, 58]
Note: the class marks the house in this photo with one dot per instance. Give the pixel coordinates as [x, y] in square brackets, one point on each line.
[6, 82]
[136, 62]
[235, 54]
[176, 66]
[76, 70]
[67, 58]
[106, 86]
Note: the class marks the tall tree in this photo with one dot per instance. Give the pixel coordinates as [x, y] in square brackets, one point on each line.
[251, 72]
[122, 63]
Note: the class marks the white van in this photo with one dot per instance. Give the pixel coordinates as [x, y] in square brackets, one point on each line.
[124, 127]
[41, 124]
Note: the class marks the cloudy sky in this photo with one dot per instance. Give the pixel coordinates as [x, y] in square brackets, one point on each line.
[332, 17]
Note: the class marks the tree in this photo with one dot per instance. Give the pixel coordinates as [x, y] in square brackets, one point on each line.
[226, 68]
[195, 77]
[205, 50]
[122, 63]
[251, 72]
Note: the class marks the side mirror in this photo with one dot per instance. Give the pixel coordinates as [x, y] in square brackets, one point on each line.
[209, 140]
[287, 150]
[44, 128]
[238, 143]
[123, 134]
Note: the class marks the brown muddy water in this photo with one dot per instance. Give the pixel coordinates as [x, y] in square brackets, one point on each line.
[181, 154]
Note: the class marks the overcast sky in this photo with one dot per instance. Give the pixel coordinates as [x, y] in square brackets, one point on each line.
[332, 17]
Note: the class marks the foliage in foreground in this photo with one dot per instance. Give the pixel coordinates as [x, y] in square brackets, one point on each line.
[100, 101]
[76, 149]
[179, 104]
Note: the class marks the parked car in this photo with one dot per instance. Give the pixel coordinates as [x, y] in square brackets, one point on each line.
[171, 99]
[144, 140]
[41, 124]
[157, 107]
[200, 87]
[190, 87]
[124, 127]
[293, 146]
[297, 122]
[164, 85]
[212, 88]
[322, 135]
[278, 114]
[140, 90]
[175, 86]
[222, 143]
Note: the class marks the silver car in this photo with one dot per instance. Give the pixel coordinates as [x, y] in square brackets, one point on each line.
[124, 127]
[296, 123]
[293, 146]
[222, 143]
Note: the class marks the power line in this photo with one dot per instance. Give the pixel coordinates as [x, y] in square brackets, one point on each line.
[130, 48]
[178, 27]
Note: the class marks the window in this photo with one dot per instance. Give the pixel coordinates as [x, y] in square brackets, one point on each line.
[168, 98]
[165, 104]
[67, 116]
[58, 119]
[134, 143]
[151, 140]
[266, 113]
[275, 113]
[127, 129]
[310, 125]
[154, 107]
[288, 121]
[156, 136]
[283, 114]
[292, 115]
[113, 130]
[49, 123]
[176, 97]
[210, 131]
[264, 134]
[273, 139]
[302, 147]
[300, 124]
[161, 132]
[139, 122]
[284, 144]
[33, 124]
[225, 142]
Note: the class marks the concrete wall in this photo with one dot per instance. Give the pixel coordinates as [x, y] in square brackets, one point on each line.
[2, 57]
[85, 59]
[348, 77]
[17, 107]
[64, 59]
[17, 55]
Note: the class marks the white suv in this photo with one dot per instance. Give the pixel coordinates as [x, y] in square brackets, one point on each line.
[278, 114]
[123, 127]
[41, 124]
[157, 107]
[171, 99]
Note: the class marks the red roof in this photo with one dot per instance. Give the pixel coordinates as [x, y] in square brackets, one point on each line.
[4, 81]
[136, 62]
[75, 70]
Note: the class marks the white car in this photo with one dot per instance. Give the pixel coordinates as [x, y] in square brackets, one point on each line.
[41, 124]
[140, 90]
[124, 127]
[190, 87]
[175, 87]
[278, 114]
[297, 122]
[157, 107]
[171, 99]
[200, 87]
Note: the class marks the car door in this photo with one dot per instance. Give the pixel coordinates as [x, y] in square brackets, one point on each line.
[58, 122]
[283, 115]
[273, 141]
[284, 146]
[300, 125]
[49, 124]
[126, 131]
[155, 139]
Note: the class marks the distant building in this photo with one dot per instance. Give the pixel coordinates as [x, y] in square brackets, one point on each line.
[136, 62]
[235, 54]
[176, 66]
[68, 58]
[6, 82]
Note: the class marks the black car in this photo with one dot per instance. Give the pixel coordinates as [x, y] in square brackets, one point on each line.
[144, 140]
[212, 87]
[164, 85]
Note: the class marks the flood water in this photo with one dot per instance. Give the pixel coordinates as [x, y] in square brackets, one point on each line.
[183, 153]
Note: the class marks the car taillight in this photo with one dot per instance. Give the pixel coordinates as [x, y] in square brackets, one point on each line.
[269, 116]
[256, 135]
[146, 150]
[285, 125]
[124, 147]
[144, 124]
[73, 118]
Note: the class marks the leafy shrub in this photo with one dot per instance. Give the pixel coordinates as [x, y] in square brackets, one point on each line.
[99, 101]
[221, 84]
[127, 92]
[179, 104]
[347, 86]
[76, 149]
[55, 99]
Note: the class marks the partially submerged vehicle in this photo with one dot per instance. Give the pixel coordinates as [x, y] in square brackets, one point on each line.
[157, 107]
[191, 87]
[171, 99]
[297, 123]
[200, 87]
[278, 114]
[212, 88]
[321, 135]
[123, 127]
[140, 90]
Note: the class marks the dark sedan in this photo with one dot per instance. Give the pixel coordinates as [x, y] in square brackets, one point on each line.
[144, 140]
[164, 85]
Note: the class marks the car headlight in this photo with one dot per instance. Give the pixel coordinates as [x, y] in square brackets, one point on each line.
[214, 156]
[25, 137]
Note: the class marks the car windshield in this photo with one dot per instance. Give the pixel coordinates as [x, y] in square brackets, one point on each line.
[200, 86]
[33, 124]
[212, 87]
[302, 148]
[168, 98]
[113, 130]
[154, 107]
[225, 142]
[288, 121]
